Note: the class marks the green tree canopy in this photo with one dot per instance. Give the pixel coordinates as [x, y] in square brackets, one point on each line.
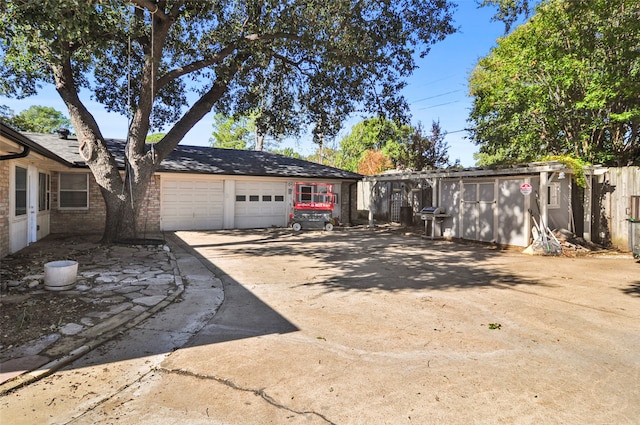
[422, 151]
[155, 137]
[402, 146]
[319, 61]
[231, 133]
[288, 152]
[509, 11]
[565, 83]
[38, 119]
[244, 132]
[377, 134]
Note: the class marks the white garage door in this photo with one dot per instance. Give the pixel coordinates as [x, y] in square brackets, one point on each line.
[191, 204]
[260, 204]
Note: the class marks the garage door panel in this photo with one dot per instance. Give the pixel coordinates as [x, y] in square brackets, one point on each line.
[260, 204]
[192, 205]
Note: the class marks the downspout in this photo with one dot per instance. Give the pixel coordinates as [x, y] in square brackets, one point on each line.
[25, 152]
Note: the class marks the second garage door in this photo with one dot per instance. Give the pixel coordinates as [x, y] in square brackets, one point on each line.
[192, 204]
[260, 204]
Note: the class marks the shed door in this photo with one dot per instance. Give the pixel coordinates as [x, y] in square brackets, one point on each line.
[478, 211]
[260, 204]
[194, 204]
[511, 204]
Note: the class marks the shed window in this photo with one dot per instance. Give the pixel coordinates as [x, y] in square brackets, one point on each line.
[74, 191]
[553, 195]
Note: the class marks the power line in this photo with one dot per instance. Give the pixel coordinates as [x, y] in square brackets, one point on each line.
[439, 104]
[435, 96]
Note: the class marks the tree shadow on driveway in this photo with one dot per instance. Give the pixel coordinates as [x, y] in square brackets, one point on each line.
[633, 289]
[363, 260]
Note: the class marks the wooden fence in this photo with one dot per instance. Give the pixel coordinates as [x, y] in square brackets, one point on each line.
[618, 197]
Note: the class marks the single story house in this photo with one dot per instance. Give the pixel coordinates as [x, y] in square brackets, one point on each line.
[46, 187]
[497, 205]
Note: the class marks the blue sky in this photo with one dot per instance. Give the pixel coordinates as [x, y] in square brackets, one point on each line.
[438, 90]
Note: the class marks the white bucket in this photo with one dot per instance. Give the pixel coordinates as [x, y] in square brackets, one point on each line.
[60, 275]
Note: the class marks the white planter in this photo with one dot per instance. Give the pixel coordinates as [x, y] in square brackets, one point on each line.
[60, 275]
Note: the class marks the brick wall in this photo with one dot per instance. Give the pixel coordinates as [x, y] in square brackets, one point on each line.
[149, 217]
[348, 195]
[93, 219]
[77, 221]
[4, 208]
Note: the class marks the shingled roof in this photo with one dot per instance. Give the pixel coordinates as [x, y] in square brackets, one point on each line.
[204, 160]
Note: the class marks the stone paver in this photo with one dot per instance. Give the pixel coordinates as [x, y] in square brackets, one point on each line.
[121, 282]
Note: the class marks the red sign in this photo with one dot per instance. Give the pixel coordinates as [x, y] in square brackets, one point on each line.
[526, 189]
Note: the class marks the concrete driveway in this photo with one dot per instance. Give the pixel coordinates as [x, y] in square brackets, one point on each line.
[394, 329]
[378, 327]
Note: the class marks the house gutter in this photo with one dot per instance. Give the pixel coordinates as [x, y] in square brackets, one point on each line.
[17, 138]
[28, 147]
[25, 152]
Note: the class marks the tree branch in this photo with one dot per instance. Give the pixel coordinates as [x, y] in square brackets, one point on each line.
[92, 146]
[153, 8]
[195, 66]
[202, 107]
[224, 53]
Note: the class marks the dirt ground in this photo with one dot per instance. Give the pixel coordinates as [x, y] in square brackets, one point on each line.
[29, 311]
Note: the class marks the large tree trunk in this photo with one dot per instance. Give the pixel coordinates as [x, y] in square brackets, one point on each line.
[124, 208]
[124, 193]
[259, 141]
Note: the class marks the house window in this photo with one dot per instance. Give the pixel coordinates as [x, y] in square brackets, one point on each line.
[241, 198]
[266, 198]
[279, 198]
[553, 195]
[44, 191]
[254, 198]
[74, 191]
[21, 191]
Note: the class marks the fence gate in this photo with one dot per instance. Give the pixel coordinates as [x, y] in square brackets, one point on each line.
[396, 203]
